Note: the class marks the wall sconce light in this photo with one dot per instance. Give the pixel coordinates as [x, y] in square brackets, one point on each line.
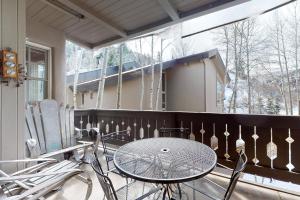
[9, 67]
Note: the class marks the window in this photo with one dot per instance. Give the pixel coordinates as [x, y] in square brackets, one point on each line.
[38, 71]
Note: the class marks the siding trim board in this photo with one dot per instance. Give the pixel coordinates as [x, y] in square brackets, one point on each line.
[12, 99]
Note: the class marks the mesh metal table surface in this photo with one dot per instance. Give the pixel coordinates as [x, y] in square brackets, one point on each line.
[165, 160]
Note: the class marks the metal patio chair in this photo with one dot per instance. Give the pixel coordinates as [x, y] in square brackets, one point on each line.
[174, 132]
[49, 134]
[127, 192]
[213, 190]
[40, 179]
[111, 142]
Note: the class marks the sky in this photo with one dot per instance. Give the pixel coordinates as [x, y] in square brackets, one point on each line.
[250, 8]
[205, 41]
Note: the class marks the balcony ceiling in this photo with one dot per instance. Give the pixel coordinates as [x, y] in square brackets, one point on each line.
[97, 23]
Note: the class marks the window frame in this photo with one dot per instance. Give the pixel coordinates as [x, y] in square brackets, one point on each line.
[48, 80]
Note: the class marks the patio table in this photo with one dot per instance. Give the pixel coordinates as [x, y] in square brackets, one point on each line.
[165, 161]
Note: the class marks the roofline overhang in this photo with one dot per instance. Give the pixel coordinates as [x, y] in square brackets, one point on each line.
[183, 16]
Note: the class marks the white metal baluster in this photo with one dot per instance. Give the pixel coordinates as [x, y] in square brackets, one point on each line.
[226, 133]
[290, 140]
[272, 149]
[214, 140]
[255, 137]
[240, 143]
[202, 131]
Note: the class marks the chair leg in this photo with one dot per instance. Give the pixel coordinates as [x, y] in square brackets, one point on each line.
[179, 191]
[76, 155]
[87, 156]
[89, 183]
[143, 188]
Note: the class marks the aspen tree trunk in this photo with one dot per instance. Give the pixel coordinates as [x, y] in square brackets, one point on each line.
[102, 80]
[226, 62]
[238, 66]
[296, 56]
[281, 71]
[78, 60]
[119, 90]
[143, 78]
[160, 74]
[233, 96]
[152, 74]
[248, 67]
[287, 69]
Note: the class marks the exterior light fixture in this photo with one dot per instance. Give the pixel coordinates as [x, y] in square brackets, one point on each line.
[64, 8]
[9, 64]
[9, 67]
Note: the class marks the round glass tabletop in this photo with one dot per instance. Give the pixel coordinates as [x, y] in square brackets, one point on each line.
[165, 160]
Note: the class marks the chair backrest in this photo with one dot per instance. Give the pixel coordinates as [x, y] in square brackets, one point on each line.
[2, 195]
[105, 182]
[174, 132]
[49, 126]
[50, 116]
[116, 139]
[239, 167]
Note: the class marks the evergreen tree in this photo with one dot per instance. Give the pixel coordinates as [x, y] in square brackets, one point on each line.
[260, 105]
[270, 108]
[277, 106]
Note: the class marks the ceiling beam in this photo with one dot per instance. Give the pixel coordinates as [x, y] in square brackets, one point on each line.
[163, 23]
[79, 42]
[169, 8]
[93, 16]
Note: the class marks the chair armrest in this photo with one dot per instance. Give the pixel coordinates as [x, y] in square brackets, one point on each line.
[216, 184]
[224, 166]
[28, 160]
[33, 168]
[96, 130]
[66, 150]
[152, 191]
[44, 188]
[28, 176]
[85, 142]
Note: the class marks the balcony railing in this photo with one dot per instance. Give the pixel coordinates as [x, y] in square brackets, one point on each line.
[272, 143]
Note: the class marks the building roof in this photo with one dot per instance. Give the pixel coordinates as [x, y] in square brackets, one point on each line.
[98, 23]
[88, 81]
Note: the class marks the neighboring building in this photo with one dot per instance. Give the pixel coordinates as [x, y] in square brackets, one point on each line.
[191, 83]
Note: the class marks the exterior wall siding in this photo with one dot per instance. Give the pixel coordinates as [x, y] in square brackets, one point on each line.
[210, 86]
[131, 93]
[189, 87]
[185, 87]
[41, 34]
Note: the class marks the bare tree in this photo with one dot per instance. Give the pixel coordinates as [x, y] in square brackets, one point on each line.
[101, 85]
[152, 74]
[284, 54]
[140, 59]
[237, 61]
[160, 73]
[294, 25]
[77, 65]
[119, 88]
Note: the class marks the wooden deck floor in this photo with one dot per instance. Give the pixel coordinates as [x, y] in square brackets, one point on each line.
[75, 190]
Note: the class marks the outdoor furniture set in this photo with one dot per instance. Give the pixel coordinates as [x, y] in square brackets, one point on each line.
[163, 167]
